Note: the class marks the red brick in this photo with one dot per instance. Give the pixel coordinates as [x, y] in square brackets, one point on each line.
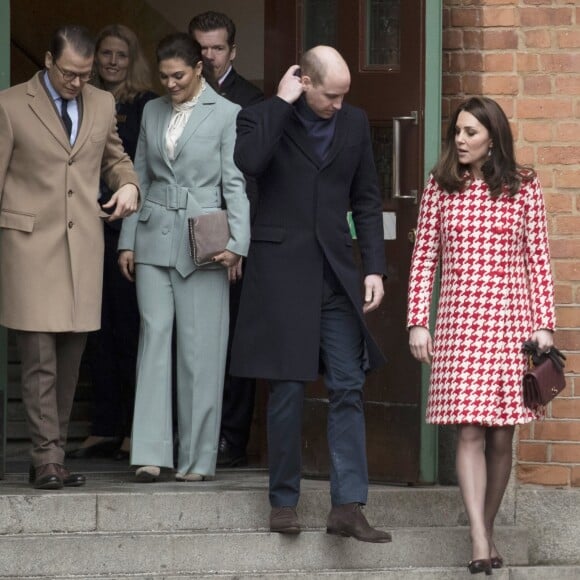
[568, 85]
[543, 474]
[573, 366]
[499, 39]
[472, 84]
[558, 155]
[500, 85]
[451, 84]
[568, 131]
[526, 432]
[537, 131]
[493, 2]
[568, 178]
[537, 452]
[567, 316]
[557, 431]
[472, 39]
[568, 339]
[565, 453]
[560, 62]
[575, 477]
[545, 16]
[452, 39]
[568, 225]
[499, 17]
[568, 38]
[563, 295]
[559, 202]
[466, 61]
[538, 39]
[537, 85]
[528, 62]
[564, 248]
[566, 408]
[498, 62]
[466, 17]
[526, 155]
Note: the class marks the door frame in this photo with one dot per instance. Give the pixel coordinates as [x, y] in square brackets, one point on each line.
[4, 83]
[429, 454]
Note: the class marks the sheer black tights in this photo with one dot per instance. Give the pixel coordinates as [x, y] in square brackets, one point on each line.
[484, 462]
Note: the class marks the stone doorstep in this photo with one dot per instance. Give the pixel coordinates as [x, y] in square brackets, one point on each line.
[449, 573]
[234, 501]
[243, 552]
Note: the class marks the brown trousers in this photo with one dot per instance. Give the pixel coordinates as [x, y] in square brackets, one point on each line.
[50, 369]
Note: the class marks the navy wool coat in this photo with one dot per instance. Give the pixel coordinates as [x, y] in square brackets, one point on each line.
[300, 220]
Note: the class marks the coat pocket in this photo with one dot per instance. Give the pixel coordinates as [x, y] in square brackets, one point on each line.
[268, 234]
[145, 213]
[14, 220]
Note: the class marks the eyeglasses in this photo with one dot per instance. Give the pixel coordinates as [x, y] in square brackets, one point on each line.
[70, 76]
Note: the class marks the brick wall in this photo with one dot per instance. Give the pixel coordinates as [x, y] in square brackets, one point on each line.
[526, 55]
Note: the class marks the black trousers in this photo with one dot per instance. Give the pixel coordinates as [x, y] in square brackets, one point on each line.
[112, 351]
[239, 393]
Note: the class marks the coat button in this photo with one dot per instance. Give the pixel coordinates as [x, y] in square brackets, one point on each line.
[70, 192]
[70, 225]
[70, 161]
[165, 231]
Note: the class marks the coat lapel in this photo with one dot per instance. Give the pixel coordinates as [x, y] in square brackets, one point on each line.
[162, 123]
[297, 133]
[43, 107]
[86, 120]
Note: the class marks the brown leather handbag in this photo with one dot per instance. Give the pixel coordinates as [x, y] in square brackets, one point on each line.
[208, 236]
[544, 378]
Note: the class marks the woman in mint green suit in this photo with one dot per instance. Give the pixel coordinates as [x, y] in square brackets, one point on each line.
[185, 165]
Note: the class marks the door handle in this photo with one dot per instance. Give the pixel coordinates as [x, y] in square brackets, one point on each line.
[396, 183]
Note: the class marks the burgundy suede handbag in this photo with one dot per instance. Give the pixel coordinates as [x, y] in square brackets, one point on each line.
[544, 378]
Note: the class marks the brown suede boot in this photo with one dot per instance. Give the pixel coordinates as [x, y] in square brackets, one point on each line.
[284, 520]
[348, 520]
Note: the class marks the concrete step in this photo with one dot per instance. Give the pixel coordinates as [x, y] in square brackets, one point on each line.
[236, 500]
[238, 552]
[449, 573]
[116, 528]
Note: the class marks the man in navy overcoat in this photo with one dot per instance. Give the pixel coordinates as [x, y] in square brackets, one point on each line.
[302, 310]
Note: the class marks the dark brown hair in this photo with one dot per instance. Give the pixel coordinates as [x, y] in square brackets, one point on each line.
[210, 21]
[181, 45]
[500, 171]
[75, 36]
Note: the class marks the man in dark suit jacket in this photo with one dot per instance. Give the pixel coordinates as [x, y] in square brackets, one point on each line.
[302, 310]
[216, 33]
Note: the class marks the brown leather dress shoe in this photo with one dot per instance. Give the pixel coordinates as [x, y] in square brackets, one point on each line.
[71, 479]
[348, 520]
[284, 520]
[45, 476]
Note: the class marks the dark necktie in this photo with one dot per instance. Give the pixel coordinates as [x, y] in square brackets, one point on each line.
[65, 116]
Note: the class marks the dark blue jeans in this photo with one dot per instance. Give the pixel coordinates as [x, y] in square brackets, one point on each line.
[341, 352]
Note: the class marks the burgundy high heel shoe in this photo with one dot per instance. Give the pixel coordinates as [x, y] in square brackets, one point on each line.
[477, 566]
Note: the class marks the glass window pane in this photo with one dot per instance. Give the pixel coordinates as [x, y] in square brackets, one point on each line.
[382, 140]
[319, 25]
[383, 43]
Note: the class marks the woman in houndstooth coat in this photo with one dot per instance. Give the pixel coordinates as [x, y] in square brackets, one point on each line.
[482, 217]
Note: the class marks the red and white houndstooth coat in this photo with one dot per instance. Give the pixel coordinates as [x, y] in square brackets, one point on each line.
[496, 289]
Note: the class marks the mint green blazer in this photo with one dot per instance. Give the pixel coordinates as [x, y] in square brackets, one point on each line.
[201, 177]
